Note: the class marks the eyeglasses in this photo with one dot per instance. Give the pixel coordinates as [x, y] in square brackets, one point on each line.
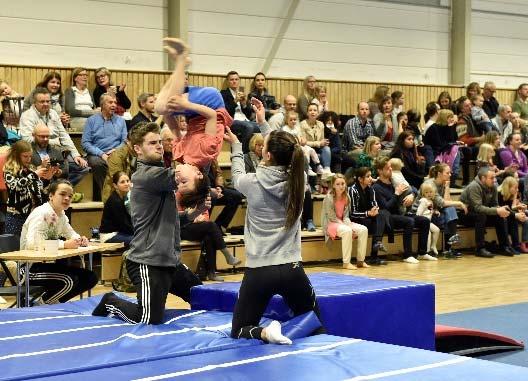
[101, 75]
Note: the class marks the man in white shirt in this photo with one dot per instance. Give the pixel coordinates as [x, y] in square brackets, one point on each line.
[41, 112]
[276, 122]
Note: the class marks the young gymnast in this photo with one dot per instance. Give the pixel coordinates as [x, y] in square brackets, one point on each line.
[153, 261]
[426, 209]
[206, 115]
[272, 233]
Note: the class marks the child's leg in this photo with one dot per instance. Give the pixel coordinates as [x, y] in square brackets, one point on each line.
[175, 85]
[434, 233]
[313, 155]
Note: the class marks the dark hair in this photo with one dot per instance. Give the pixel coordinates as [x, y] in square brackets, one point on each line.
[362, 172]
[117, 176]
[385, 99]
[473, 86]
[253, 87]
[312, 104]
[52, 188]
[460, 104]
[48, 77]
[192, 199]
[285, 150]
[444, 94]
[329, 115]
[39, 90]
[350, 174]
[396, 95]
[509, 138]
[137, 134]
[399, 147]
[413, 116]
[143, 97]
[232, 72]
[430, 110]
[400, 115]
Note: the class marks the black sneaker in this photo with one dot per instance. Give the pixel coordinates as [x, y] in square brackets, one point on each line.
[483, 253]
[376, 262]
[378, 246]
[508, 251]
[454, 239]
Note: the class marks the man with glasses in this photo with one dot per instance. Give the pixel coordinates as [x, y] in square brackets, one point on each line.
[42, 113]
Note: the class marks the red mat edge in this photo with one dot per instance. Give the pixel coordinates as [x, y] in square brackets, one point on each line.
[446, 330]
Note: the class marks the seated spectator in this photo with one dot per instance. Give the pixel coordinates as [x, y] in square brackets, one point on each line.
[222, 195]
[335, 218]
[481, 198]
[46, 155]
[370, 152]
[78, 100]
[313, 131]
[397, 179]
[308, 95]
[146, 102]
[239, 108]
[509, 196]
[490, 105]
[253, 158]
[53, 82]
[123, 159]
[446, 102]
[439, 178]
[321, 99]
[398, 100]
[413, 165]
[292, 127]
[11, 106]
[364, 210]
[502, 121]
[374, 102]
[42, 113]
[473, 89]
[24, 187]
[386, 124]
[103, 78]
[431, 115]
[331, 124]
[513, 157]
[60, 281]
[480, 117]
[414, 119]
[469, 134]
[485, 158]
[521, 103]
[259, 91]
[389, 199]
[167, 139]
[116, 223]
[279, 119]
[443, 139]
[356, 131]
[103, 133]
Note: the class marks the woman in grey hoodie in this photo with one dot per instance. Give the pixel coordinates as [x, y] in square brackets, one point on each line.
[272, 233]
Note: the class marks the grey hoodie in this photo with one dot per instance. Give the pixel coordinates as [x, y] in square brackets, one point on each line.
[267, 241]
[156, 223]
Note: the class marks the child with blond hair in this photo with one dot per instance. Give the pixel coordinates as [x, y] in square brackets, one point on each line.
[426, 209]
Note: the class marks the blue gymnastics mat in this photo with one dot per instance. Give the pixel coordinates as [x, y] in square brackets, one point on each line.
[64, 342]
[385, 310]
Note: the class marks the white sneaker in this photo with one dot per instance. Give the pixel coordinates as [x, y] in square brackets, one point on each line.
[311, 173]
[319, 169]
[427, 257]
[411, 260]
[327, 171]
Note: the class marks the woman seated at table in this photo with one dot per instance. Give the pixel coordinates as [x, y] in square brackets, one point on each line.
[61, 282]
[116, 223]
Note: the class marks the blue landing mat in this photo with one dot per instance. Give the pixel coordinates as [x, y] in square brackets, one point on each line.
[320, 357]
[385, 310]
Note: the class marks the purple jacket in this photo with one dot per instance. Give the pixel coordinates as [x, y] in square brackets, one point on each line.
[508, 158]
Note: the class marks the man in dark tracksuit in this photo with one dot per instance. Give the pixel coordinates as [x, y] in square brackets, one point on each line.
[153, 262]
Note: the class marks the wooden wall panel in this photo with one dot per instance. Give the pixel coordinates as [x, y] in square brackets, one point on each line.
[343, 95]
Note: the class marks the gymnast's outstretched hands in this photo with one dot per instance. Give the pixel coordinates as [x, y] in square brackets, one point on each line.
[260, 110]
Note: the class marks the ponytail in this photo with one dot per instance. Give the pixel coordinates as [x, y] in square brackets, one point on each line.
[436, 169]
[296, 182]
[285, 151]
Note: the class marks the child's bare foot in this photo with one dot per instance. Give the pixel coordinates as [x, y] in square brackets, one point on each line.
[175, 46]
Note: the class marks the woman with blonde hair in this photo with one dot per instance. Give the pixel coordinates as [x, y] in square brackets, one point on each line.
[371, 151]
[103, 78]
[321, 99]
[335, 218]
[24, 187]
[509, 196]
[78, 100]
[307, 96]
